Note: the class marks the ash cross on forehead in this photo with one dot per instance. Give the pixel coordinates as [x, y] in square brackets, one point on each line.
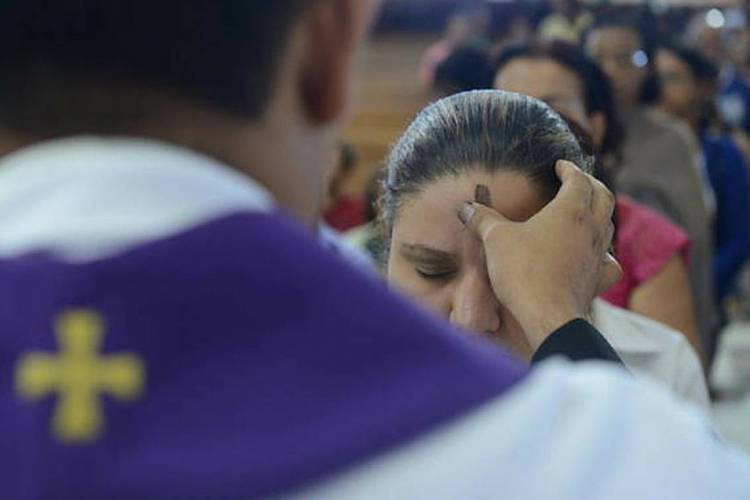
[79, 375]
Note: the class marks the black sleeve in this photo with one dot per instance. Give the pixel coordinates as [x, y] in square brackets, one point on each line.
[577, 341]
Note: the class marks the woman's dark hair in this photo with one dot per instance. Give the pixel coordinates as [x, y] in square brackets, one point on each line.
[487, 130]
[597, 89]
[704, 71]
[701, 67]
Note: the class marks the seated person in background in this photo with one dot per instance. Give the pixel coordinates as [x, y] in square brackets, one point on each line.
[343, 211]
[466, 68]
[688, 80]
[504, 147]
[734, 99]
[467, 27]
[658, 163]
[729, 50]
[566, 23]
[366, 237]
[653, 251]
[515, 28]
[706, 36]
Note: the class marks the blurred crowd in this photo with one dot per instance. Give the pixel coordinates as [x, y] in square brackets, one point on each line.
[662, 100]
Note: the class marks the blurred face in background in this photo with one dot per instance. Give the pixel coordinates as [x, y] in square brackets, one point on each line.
[620, 53]
[681, 92]
[555, 84]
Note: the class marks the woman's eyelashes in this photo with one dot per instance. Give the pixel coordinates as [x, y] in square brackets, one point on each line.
[430, 263]
[432, 274]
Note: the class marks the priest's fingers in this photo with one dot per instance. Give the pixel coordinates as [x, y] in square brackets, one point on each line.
[480, 219]
[603, 207]
[577, 191]
[610, 274]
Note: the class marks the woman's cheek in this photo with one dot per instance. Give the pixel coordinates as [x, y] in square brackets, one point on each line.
[511, 336]
[433, 296]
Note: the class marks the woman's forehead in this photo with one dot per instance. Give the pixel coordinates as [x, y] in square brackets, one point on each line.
[435, 206]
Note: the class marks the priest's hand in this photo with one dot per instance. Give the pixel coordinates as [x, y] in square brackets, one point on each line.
[549, 269]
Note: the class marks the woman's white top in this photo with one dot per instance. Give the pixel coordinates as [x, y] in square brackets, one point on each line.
[653, 351]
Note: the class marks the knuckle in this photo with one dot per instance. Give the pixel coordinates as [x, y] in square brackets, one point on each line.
[582, 213]
[616, 270]
[584, 204]
[610, 233]
[588, 188]
[610, 196]
[578, 176]
[601, 187]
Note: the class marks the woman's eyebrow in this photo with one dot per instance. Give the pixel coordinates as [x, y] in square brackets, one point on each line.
[415, 251]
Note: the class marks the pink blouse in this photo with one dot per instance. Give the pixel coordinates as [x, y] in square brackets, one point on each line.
[646, 241]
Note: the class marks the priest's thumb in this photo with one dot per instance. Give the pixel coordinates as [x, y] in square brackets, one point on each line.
[480, 219]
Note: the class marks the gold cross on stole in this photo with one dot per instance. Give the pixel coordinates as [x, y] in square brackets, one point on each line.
[79, 375]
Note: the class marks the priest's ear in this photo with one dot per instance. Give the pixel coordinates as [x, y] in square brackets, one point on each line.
[334, 30]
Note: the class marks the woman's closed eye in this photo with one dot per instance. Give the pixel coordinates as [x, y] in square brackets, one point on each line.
[435, 274]
[430, 263]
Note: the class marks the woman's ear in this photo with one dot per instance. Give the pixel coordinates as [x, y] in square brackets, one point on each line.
[333, 31]
[598, 128]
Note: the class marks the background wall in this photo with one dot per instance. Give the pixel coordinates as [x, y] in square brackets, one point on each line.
[390, 96]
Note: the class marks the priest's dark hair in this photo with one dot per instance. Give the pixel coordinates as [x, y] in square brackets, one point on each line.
[488, 130]
[76, 66]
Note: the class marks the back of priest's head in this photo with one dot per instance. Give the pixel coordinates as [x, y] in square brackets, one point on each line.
[86, 66]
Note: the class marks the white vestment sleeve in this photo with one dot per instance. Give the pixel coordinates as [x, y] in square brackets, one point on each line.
[569, 432]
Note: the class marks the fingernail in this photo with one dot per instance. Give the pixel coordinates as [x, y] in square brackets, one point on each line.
[466, 212]
[482, 195]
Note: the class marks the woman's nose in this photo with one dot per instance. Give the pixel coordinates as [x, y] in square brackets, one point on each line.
[474, 307]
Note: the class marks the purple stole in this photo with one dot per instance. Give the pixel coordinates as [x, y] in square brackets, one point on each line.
[236, 359]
